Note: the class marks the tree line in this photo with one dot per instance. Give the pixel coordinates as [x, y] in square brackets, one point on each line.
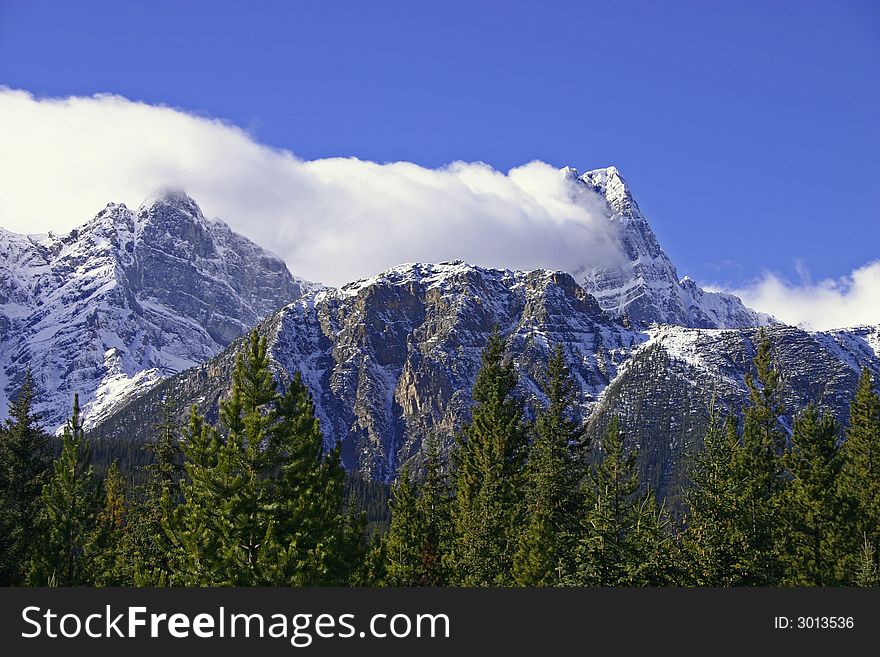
[257, 500]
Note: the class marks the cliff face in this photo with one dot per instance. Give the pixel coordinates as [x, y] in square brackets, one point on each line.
[392, 360]
[646, 287]
[125, 300]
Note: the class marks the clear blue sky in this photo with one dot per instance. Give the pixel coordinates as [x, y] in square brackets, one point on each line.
[748, 130]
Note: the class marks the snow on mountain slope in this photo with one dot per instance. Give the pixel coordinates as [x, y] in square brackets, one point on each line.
[125, 300]
[646, 288]
[392, 359]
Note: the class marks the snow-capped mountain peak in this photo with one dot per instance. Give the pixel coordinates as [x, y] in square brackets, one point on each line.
[126, 299]
[646, 287]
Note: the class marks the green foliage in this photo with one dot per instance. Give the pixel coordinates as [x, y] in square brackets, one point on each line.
[759, 469]
[860, 473]
[552, 492]
[624, 540]
[69, 532]
[812, 508]
[714, 540]
[255, 500]
[261, 506]
[24, 467]
[416, 547]
[488, 473]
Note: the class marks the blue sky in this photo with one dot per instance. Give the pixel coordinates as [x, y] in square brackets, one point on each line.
[748, 130]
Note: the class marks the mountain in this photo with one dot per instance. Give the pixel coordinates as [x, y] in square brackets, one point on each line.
[125, 300]
[391, 360]
[646, 288]
[663, 393]
[136, 307]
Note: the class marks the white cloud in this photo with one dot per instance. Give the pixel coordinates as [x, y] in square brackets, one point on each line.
[831, 303]
[333, 220]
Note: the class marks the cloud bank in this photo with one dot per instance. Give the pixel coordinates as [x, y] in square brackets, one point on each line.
[832, 303]
[332, 220]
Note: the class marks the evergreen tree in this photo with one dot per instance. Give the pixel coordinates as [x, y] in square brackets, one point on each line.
[488, 475]
[433, 507]
[860, 474]
[372, 571]
[110, 531]
[402, 545]
[189, 526]
[144, 552]
[714, 540]
[552, 484]
[867, 574]
[322, 540]
[24, 468]
[811, 504]
[759, 468]
[262, 506]
[67, 534]
[624, 540]
[417, 540]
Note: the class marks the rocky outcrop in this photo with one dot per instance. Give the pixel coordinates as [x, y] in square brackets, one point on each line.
[126, 300]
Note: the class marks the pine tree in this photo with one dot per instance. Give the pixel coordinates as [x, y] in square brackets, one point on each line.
[146, 546]
[403, 542]
[433, 507]
[488, 475]
[24, 468]
[714, 539]
[417, 542]
[321, 538]
[811, 504]
[760, 469]
[111, 530]
[189, 526]
[860, 474]
[262, 504]
[66, 548]
[624, 538]
[867, 574]
[552, 484]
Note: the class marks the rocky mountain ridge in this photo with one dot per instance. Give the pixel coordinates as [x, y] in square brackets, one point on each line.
[125, 300]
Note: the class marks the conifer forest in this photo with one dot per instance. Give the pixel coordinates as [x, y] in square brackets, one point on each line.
[255, 499]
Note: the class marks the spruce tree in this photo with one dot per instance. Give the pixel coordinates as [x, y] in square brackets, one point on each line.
[624, 540]
[552, 484]
[867, 573]
[812, 508]
[196, 558]
[433, 507]
[418, 538]
[24, 468]
[68, 538]
[714, 539]
[860, 474]
[759, 467]
[321, 539]
[262, 504]
[491, 450]
[403, 541]
[109, 568]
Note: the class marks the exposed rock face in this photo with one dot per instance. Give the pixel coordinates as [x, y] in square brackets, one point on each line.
[125, 300]
[663, 393]
[119, 309]
[392, 359]
[646, 288]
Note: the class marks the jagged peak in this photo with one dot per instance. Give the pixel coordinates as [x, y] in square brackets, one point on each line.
[439, 273]
[173, 197]
[609, 182]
